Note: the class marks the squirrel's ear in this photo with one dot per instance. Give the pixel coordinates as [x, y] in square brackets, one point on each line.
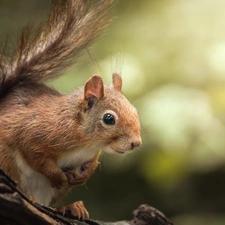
[117, 81]
[94, 87]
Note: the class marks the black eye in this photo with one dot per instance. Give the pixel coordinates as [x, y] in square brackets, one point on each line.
[109, 119]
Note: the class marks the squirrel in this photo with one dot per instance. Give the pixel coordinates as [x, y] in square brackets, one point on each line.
[51, 142]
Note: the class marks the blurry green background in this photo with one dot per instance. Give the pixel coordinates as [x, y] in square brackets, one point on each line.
[172, 58]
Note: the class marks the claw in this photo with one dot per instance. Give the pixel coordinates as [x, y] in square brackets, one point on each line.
[77, 209]
[31, 198]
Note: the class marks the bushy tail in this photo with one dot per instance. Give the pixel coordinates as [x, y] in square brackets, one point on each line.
[47, 50]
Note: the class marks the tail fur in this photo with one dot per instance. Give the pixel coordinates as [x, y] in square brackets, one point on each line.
[46, 51]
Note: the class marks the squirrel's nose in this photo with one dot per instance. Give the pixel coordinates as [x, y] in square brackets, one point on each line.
[135, 144]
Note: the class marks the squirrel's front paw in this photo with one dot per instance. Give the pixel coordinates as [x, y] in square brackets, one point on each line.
[79, 176]
[59, 180]
[74, 176]
[77, 209]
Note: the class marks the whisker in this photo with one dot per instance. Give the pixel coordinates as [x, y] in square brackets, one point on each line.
[85, 185]
[100, 165]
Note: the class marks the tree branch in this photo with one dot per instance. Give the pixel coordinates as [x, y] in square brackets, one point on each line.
[17, 209]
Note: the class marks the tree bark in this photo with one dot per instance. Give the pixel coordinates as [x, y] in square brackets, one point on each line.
[17, 209]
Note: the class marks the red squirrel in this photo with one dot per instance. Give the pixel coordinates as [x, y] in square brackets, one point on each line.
[51, 142]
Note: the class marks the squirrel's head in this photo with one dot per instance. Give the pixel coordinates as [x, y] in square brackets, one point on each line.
[108, 117]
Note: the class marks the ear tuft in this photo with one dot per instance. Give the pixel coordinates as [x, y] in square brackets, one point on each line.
[117, 81]
[94, 88]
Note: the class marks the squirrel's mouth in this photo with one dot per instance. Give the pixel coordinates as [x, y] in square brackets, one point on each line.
[110, 149]
[119, 152]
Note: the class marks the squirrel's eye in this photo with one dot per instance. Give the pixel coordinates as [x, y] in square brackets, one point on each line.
[109, 119]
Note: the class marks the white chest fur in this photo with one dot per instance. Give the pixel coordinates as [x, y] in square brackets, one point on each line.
[77, 157]
[37, 185]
